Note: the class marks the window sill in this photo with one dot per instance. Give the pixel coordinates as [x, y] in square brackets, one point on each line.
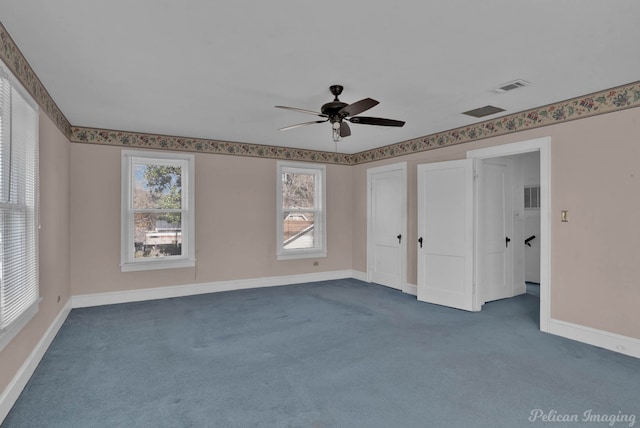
[15, 328]
[302, 255]
[156, 264]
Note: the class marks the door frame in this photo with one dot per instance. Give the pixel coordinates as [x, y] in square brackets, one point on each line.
[402, 167]
[543, 146]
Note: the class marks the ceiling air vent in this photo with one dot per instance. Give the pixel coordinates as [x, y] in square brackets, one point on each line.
[483, 111]
[511, 86]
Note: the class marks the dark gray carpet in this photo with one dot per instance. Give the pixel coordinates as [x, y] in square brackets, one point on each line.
[328, 354]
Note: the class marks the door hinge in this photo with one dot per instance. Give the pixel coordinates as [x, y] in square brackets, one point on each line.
[475, 175]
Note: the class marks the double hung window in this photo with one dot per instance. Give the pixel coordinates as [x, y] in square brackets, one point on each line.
[19, 292]
[157, 211]
[301, 231]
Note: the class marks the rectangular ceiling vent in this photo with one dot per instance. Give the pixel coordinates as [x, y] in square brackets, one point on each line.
[516, 84]
[483, 111]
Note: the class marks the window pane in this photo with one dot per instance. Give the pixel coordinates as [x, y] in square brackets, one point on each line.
[5, 139]
[298, 230]
[18, 276]
[157, 235]
[157, 187]
[298, 190]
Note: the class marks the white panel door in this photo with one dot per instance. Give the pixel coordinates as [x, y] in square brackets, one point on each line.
[495, 230]
[386, 224]
[445, 229]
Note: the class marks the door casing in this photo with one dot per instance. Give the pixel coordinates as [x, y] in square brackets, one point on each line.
[542, 145]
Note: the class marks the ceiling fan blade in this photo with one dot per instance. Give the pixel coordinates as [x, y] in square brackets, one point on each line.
[345, 131]
[363, 120]
[301, 110]
[358, 107]
[302, 124]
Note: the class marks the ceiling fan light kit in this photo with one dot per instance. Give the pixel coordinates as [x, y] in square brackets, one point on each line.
[337, 112]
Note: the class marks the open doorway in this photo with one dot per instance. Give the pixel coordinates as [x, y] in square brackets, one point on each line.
[508, 226]
[529, 193]
[531, 179]
[449, 249]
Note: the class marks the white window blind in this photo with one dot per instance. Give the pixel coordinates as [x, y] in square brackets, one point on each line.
[19, 293]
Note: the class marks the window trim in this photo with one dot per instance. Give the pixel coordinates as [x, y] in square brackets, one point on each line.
[128, 263]
[320, 217]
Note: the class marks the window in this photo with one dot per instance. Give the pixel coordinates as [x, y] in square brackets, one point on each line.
[19, 293]
[157, 211]
[532, 197]
[301, 211]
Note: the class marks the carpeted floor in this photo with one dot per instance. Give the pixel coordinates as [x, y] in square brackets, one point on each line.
[328, 354]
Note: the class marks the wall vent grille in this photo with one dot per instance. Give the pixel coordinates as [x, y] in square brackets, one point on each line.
[531, 197]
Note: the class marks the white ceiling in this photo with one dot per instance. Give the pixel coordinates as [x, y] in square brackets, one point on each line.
[216, 69]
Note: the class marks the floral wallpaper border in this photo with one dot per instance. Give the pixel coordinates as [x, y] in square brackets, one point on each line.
[606, 101]
[19, 66]
[165, 142]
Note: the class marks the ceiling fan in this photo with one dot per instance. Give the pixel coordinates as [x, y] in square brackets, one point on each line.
[338, 112]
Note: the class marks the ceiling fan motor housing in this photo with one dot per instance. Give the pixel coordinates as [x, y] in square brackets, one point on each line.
[332, 110]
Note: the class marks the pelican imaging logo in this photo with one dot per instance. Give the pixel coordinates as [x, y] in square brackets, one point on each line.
[588, 416]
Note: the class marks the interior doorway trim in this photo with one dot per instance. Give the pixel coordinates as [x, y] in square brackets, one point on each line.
[541, 145]
[402, 167]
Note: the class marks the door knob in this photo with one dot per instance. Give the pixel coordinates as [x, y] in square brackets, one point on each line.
[399, 238]
[420, 241]
[506, 241]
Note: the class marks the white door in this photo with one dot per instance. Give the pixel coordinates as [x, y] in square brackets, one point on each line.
[445, 230]
[495, 230]
[386, 251]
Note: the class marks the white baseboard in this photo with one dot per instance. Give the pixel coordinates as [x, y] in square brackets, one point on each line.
[600, 338]
[411, 289]
[19, 381]
[99, 299]
[360, 276]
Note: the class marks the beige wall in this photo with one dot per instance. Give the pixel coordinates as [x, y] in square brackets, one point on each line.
[595, 173]
[235, 223]
[54, 248]
[595, 169]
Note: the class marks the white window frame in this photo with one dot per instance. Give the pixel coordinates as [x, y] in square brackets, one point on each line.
[23, 307]
[128, 262]
[320, 248]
